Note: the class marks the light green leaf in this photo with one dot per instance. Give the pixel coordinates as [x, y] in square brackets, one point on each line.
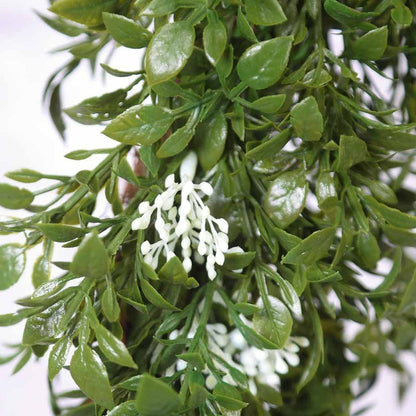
[176, 142]
[140, 124]
[91, 376]
[156, 398]
[24, 175]
[210, 137]
[269, 104]
[168, 51]
[228, 396]
[173, 271]
[12, 197]
[286, 197]
[125, 409]
[371, 46]
[111, 308]
[91, 259]
[87, 12]
[312, 248]
[263, 64]
[307, 120]
[12, 264]
[113, 348]
[265, 12]
[244, 27]
[58, 356]
[41, 271]
[402, 15]
[126, 31]
[352, 151]
[270, 147]
[61, 232]
[214, 38]
[155, 298]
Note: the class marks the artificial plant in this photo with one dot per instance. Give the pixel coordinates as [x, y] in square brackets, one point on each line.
[267, 183]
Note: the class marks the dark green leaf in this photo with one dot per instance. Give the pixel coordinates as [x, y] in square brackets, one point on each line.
[237, 260]
[12, 197]
[307, 120]
[168, 51]
[268, 148]
[286, 197]
[87, 12]
[140, 124]
[91, 258]
[126, 31]
[263, 64]
[60, 232]
[91, 376]
[156, 398]
[12, 264]
[265, 13]
[312, 248]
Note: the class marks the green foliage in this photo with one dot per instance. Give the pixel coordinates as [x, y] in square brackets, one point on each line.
[304, 166]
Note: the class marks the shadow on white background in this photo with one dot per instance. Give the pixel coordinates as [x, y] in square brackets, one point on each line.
[28, 139]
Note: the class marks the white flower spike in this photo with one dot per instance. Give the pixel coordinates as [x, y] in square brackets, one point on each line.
[191, 223]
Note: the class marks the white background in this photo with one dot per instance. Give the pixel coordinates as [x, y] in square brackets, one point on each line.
[28, 139]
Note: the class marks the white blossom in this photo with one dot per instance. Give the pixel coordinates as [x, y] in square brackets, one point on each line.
[189, 225]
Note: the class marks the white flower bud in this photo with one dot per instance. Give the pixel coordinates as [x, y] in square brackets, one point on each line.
[212, 274]
[188, 166]
[141, 223]
[159, 200]
[159, 224]
[145, 247]
[169, 181]
[186, 242]
[222, 225]
[144, 206]
[182, 227]
[168, 204]
[186, 252]
[210, 260]
[206, 188]
[187, 264]
[219, 258]
[169, 255]
[185, 208]
[222, 242]
[172, 213]
[202, 248]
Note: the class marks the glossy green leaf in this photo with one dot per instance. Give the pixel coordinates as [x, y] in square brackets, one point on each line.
[371, 46]
[286, 197]
[269, 147]
[265, 13]
[140, 124]
[155, 398]
[368, 249]
[111, 308]
[61, 232]
[91, 258]
[176, 142]
[238, 260]
[214, 38]
[155, 298]
[41, 271]
[12, 197]
[274, 324]
[269, 104]
[312, 248]
[168, 51]
[87, 12]
[164, 7]
[345, 14]
[149, 158]
[126, 31]
[113, 348]
[307, 120]
[326, 192]
[58, 356]
[352, 151]
[12, 264]
[91, 376]
[225, 64]
[244, 27]
[125, 409]
[263, 64]
[237, 121]
[210, 138]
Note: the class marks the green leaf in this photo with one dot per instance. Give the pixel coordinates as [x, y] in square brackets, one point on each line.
[168, 51]
[367, 249]
[41, 271]
[40, 329]
[12, 264]
[91, 376]
[399, 236]
[237, 121]
[402, 15]
[244, 27]
[210, 138]
[312, 248]
[214, 38]
[307, 120]
[62, 26]
[173, 271]
[345, 14]
[371, 46]
[60, 232]
[194, 359]
[265, 13]
[352, 151]
[237, 260]
[156, 398]
[269, 104]
[140, 125]
[176, 142]
[24, 175]
[109, 303]
[155, 298]
[58, 356]
[325, 190]
[87, 12]
[149, 158]
[270, 147]
[165, 7]
[226, 63]
[113, 348]
[263, 64]
[274, 322]
[397, 141]
[228, 396]
[91, 259]
[12, 197]
[391, 215]
[286, 197]
[125, 409]
[126, 31]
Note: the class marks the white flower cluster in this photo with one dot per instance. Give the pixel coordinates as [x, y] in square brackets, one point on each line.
[191, 223]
